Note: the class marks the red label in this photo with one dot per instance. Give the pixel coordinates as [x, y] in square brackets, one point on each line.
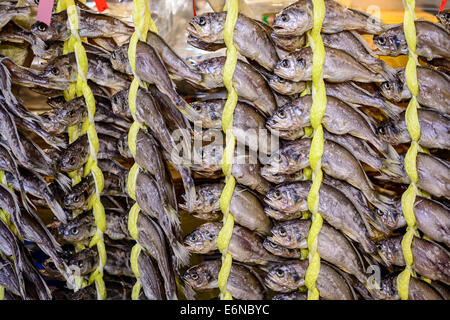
[443, 3]
[101, 5]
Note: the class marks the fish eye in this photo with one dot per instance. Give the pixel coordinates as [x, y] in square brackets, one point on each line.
[194, 275]
[273, 245]
[284, 17]
[55, 71]
[277, 194]
[197, 107]
[277, 157]
[74, 231]
[386, 85]
[42, 27]
[193, 237]
[301, 62]
[285, 63]
[201, 21]
[282, 232]
[76, 199]
[113, 55]
[80, 264]
[279, 273]
[281, 80]
[282, 114]
[381, 130]
[381, 41]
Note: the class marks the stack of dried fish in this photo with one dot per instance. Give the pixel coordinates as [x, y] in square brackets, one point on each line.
[181, 111]
[43, 174]
[360, 241]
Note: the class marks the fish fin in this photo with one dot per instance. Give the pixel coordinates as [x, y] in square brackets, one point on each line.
[392, 111]
[189, 187]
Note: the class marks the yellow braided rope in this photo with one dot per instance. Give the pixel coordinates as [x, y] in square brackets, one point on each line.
[412, 123]
[143, 22]
[226, 232]
[82, 88]
[317, 145]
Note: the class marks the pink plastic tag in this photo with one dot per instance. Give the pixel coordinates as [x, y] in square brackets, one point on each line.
[44, 13]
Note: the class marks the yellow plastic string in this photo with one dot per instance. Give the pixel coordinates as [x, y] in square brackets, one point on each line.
[412, 123]
[142, 22]
[317, 145]
[226, 232]
[81, 88]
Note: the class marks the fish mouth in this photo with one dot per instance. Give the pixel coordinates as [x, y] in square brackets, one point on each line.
[273, 284]
[192, 29]
[281, 31]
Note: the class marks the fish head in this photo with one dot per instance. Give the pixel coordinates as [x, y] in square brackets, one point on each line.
[207, 198]
[204, 239]
[390, 250]
[72, 113]
[211, 156]
[209, 113]
[78, 229]
[292, 20]
[392, 90]
[278, 250]
[119, 60]
[74, 201]
[283, 278]
[56, 102]
[61, 69]
[391, 132]
[83, 262]
[283, 198]
[444, 17]
[391, 42]
[285, 161]
[287, 234]
[391, 218]
[49, 33]
[296, 66]
[276, 214]
[286, 87]
[119, 103]
[71, 159]
[199, 276]
[207, 27]
[287, 118]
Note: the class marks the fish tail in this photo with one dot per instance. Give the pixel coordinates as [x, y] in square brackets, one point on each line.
[375, 222]
[368, 245]
[35, 278]
[182, 255]
[20, 267]
[392, 165]
[189, 187]
[56, 208]
[63, 181]
[172, 215]
[391, 110]
[383, 203]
